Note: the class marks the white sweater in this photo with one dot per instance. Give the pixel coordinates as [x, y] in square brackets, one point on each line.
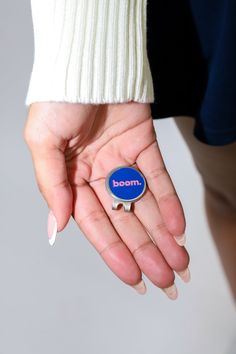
[90, 51]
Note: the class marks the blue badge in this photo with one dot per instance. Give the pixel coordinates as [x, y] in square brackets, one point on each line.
[125, 185]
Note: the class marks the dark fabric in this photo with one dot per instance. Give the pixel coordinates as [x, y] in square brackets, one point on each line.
[191, 47]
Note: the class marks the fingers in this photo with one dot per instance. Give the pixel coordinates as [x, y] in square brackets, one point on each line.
[151, 164]
[147, 211]
[147, 255]
[51, 173]
[94, 223]
[51, 176]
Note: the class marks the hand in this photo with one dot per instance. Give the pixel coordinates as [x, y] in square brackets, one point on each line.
[74, 147]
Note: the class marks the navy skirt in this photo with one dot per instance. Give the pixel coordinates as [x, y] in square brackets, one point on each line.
[191, 47]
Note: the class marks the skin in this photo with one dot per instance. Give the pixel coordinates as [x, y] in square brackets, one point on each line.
[74, 147]
[216, 165]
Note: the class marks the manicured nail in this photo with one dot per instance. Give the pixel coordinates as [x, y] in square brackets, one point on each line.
[185, 275]
[140, 287]
[180, 239]
[171, 292]
[52, 228]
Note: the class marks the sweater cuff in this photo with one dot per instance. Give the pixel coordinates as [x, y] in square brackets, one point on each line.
[90, 51]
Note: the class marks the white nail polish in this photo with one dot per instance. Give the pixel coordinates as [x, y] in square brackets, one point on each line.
[181, 240]
[140, 287]
[185, 275]
[52, 228]
[171, 292]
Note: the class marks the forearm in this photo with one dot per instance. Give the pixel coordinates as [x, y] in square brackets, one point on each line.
[90, 51]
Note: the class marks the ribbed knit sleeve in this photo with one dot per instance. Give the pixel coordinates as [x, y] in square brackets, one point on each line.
[90, 51]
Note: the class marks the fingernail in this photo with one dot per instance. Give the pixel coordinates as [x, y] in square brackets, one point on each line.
[180, 239]
[140, 287]
[171, 292]
[185, 275]
[52, 228]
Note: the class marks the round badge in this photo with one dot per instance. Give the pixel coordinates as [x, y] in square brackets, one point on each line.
[125, 185]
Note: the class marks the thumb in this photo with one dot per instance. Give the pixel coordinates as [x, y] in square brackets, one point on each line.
[51, 175]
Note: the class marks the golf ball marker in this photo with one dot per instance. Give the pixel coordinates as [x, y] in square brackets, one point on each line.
[125, 185]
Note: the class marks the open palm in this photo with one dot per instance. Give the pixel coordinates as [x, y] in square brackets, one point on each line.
[74, 147]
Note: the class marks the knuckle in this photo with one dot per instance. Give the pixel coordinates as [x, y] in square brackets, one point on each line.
[120, 217]
[157, 172]
[52, 189]
[37, 136]
[64, 183]
[94, 216]
[167, 196]
[142, 247]
[157, 229]
[30, 138]
[110, 246]
[147, 197]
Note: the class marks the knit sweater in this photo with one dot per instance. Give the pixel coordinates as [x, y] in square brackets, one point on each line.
[90, 51]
